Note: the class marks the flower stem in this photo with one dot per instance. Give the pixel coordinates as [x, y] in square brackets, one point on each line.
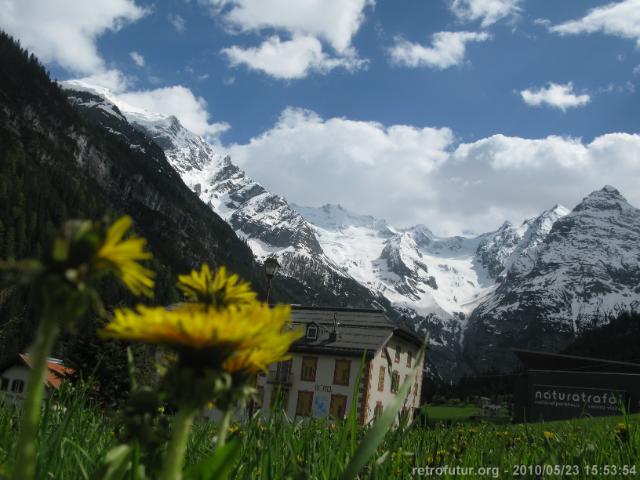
[224, 428]
[174, 457]
[46, 334]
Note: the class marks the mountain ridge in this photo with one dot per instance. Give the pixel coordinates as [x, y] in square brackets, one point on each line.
[447, 287]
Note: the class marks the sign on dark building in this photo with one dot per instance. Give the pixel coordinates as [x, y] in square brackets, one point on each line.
[553, 401]
[557, 387]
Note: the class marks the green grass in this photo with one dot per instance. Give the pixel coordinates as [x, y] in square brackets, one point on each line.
[76, 434]
[439, 413]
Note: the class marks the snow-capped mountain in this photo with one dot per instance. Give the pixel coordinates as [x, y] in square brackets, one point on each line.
[586, 266]
[264, 220]
[530, 285]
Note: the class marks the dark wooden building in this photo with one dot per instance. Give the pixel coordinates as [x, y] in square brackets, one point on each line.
[557, 387]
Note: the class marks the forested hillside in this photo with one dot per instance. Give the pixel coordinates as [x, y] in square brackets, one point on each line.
[617, 340]
[58, 162]
[55, 165]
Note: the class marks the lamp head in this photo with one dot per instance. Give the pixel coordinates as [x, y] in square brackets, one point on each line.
[271, 266]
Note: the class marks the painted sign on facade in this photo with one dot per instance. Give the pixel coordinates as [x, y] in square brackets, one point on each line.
[321, 405]
[552, 401]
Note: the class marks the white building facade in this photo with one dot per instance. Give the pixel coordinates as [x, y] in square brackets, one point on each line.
[14, 376]
[346, 356]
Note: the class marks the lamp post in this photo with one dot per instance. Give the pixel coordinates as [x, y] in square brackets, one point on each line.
[271, 266]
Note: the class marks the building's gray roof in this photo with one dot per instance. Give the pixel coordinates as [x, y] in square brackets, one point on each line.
[357, 330]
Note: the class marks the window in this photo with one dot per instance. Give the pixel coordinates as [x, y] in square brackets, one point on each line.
[415, 389]
[283, 372]
[398, 354]
[341, 372]
[381, 380]
[338, 406]
[303, 407]
[17, 386]
[309, 367]
[281, 396]
[395, 382]
[4, 384]
[378, 410]
[409, 359]
[312, 332]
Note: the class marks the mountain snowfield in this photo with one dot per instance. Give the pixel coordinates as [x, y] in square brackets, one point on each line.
[536, 284]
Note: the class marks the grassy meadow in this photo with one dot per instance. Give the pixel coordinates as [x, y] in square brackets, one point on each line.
[75, 436]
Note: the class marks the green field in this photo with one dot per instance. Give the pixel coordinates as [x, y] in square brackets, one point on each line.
[76, 434]
[439, 413]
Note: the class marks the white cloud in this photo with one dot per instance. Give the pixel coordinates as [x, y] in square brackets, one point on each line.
[178, 22]
[411, 175]
[447, 49]
[191, 110]
[555, 95]
[176, 100]
[313, 161]
[302, 26]
[487, 11]
[636, 70]
[112, 80]
[335, 21]
[291, 59]
[137, 58]
[621, 19]
[518, 177]
[65, 31]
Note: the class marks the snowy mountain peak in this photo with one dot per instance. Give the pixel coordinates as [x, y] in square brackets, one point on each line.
[559, 210]
[336, 217]
[607, 198]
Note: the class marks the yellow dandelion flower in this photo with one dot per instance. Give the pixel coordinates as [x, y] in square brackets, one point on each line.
[274, 348]
[255, 332]
[123, 256]
[220, 291]
[550, 435]
[622, 432]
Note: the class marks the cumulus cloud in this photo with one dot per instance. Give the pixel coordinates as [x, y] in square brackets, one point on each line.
[111, 80]
[137, 58]
[178, 22]
[302, 26]
[621, 19]
[335, 21]
[555, 95]
[360, 164]
[487, 12]
[411, 175]
[191, 110]
[178, 100]
[65, 31]
[289, 59]
[447, 50]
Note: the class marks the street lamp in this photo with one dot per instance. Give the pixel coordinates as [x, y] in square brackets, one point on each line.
[271, 266]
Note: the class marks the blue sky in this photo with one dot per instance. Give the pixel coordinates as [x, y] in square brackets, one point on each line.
[466, 112]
